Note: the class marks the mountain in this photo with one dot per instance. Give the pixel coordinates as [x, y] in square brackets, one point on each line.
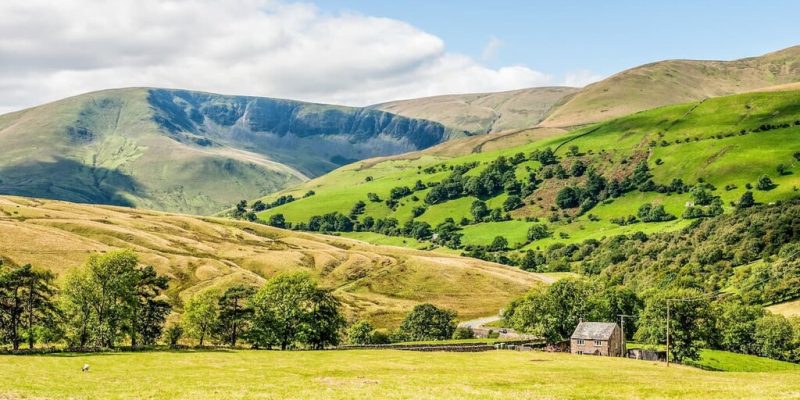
[189, 151]
[674, 81]
[481, 113]
[379, 282]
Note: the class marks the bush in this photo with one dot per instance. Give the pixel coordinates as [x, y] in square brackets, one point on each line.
[512, 203]
[538, 231]
[173, 334]
[463, 333]
[360, 333]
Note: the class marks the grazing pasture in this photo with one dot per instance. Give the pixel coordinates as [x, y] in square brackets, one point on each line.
[378, 374]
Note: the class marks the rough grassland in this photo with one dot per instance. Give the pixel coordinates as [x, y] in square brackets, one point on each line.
[380, 283]
[789, 308]
[376, 374]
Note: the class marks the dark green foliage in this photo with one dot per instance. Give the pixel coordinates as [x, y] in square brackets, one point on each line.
[568, 197]
[277, 220]
[290, 310]
[577, 169]
[746, 201]
[258, 206]
[399, 192]
[691, 322]
[360, 333]
[418, 210]
[538, 231]
[148, 310]
[462, 333]
[479, 210]
[765, 183]
[357, 209]
[373, 197]
[428, 322]
[27, 304]
[512, 203]
[447, 234]
[649, 213]
[545, 157]
[498, 244]
[235, 312]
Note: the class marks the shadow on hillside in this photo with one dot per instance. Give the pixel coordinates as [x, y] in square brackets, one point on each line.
[68, 180]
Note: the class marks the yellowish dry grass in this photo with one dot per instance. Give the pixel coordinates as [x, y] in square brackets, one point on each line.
[381, 283]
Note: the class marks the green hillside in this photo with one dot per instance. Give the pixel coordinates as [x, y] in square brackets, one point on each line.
[728, 143]
[189, 151]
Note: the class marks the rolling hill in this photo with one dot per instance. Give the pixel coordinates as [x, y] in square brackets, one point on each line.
[481, 113]
[706, 141]
[189, 151]
[378, 282]
[674, 81]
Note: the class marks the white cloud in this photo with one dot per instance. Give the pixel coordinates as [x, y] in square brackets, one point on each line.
[50, 50]
[491, 47]
[581, 78]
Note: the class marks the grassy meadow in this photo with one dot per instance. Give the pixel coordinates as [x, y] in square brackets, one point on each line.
[377, 374]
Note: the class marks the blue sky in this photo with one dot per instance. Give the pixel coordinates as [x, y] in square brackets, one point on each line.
[361, 52]
[604, 37]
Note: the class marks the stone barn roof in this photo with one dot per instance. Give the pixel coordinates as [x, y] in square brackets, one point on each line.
[594, 330]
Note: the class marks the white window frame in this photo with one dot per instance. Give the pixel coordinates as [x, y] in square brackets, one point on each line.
[598, 343]
[580, 342]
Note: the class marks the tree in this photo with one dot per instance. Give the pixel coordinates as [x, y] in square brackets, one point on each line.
[577, 169]
[360, 333]
[428, 322]
[234, 313]
[479, 210]
[499, 243]
[746, 201]
[690, 321]
[109, 297]
[736, 326]
[240, 210]
[26, 303]
[200, 315]
[764, 183]
[568, 197]
[173, 334]
[148, 311]
[324, 322]
[782, 169]
[290, 308]
[357, 209]
[277, 220]
[538, 231]
[512, 203]
[774, 336]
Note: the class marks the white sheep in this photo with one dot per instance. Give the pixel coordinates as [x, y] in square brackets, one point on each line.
[85, 368]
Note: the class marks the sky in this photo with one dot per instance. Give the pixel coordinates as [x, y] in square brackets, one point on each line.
[360, 52]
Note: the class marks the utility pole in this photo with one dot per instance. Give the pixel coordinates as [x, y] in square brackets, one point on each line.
[668, 332]
[622, 330]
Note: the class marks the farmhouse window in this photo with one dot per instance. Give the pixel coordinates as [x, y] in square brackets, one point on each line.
[580, 342]
[598, 343]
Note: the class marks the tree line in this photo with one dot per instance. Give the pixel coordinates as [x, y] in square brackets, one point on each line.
[113, 301]
[696, 320]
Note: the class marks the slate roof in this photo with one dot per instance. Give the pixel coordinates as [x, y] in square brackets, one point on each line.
[594, 330]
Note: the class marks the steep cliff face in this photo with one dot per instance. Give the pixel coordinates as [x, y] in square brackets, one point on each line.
[186, 151]
[313, 138]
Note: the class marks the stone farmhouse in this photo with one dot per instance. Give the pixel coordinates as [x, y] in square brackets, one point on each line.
[597, 338]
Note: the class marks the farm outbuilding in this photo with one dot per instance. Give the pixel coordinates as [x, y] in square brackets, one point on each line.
[597, 338]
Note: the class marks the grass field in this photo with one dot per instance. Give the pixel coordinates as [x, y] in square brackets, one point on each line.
[376, 374]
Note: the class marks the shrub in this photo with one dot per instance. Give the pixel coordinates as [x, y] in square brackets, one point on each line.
[463, 333]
